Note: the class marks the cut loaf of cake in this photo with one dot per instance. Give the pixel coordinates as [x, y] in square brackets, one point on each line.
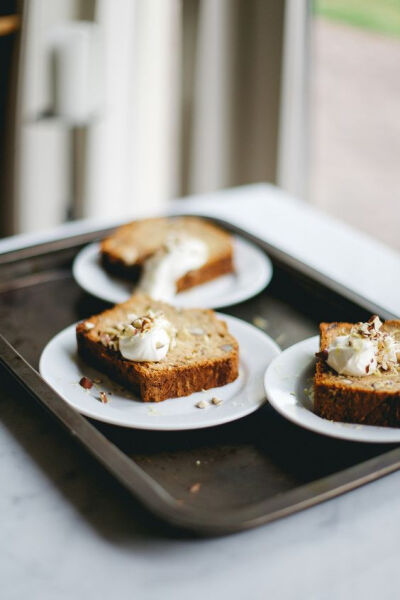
[204, 356]
[124, 252]
[373, 398]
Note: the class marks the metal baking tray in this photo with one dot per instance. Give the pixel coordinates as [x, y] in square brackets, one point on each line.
[251, 471]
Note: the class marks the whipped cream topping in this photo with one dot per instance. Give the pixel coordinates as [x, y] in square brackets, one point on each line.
[179, 255]
[147, 338]
[364, 350]
[351, 355]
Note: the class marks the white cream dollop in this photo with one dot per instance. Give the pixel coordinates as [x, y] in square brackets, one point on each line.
[150, 344]
[352, 355]
[179, 255]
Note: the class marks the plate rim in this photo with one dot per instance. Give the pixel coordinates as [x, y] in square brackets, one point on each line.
[336, 429]
[264, 281]
[157, 425]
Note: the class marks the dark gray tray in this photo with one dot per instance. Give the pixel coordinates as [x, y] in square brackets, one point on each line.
[252, 471]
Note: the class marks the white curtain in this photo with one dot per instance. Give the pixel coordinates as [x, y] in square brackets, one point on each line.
[191, 103]
[133, 148]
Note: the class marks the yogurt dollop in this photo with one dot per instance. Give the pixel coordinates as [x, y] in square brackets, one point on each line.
[149, 338]
[352, 355]
[179, 255]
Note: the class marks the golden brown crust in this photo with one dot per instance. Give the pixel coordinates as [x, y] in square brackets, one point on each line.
[152, 381]
[220, 261]
[373, 400]
[211, 270]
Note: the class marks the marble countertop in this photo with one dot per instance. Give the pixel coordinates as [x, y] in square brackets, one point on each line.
[67, 530]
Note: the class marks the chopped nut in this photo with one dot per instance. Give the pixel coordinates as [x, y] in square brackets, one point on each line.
[260, 322]
[216, 401]
[195, 488]
[202, 404]
[105, 339]
[130, 329]
[86, 383]
[137, 323]
[369, 329]
[103, 398]
[375, 321]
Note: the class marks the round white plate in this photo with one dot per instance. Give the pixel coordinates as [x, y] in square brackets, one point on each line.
[288, 382]
[253, 272]
[61, 367]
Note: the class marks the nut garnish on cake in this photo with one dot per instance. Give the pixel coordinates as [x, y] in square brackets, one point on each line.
[357, 375]
[145, 338]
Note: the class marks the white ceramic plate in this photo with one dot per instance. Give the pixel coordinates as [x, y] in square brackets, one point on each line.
[287, 378]
[253, 272]
[62, 369]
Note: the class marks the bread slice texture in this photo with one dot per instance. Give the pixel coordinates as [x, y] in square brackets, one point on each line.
[123, 252]
[373, 399]
[205, 356]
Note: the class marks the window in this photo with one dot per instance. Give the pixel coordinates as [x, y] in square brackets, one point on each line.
[355, 120]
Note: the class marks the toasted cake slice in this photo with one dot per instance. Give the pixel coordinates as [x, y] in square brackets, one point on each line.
[371, 399]
[129, 246]
[206, 355]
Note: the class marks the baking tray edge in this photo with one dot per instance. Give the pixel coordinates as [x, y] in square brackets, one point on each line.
[146, 489]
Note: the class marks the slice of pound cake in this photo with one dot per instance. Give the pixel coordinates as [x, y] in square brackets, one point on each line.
[168, 255]
[159, 351]
[357, 376]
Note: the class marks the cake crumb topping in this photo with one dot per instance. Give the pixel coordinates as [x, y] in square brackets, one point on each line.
[202, 404]
[103, 397]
